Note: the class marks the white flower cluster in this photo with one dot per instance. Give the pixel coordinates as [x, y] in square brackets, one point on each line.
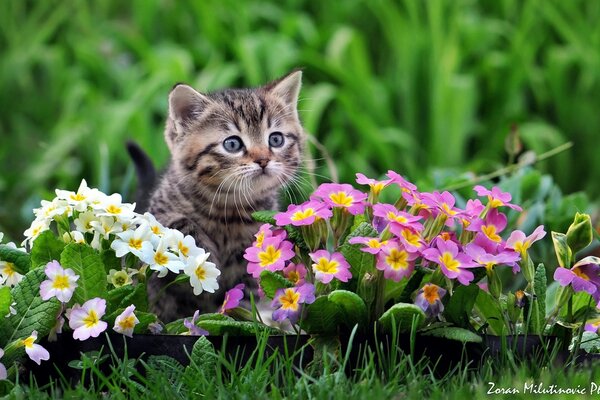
[102, 221]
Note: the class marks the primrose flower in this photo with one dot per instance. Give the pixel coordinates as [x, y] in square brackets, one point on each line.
[429, 299]
[119, 278]
[295, 273]
[592, 325]
[112, 206]
[51, 209]
[83, 222]
[156, 228]
[85, 320]
[82, 198]
[304, 214]
[232, 298]
[342, 196]
[405, 185]
[35, 352]
[193, 329]
[489, 260]
[8, 274]
[38, 226]
[131, 241]
[271, 256]
[494, 223]
[203, 274]
[398, 220]
[185, 245]
[161, 259]
[375, 185]
[395, 262]
[266, 231]
[61, 283]
[583, 276]
[441, 203]
[411, 240]
[328, 266]
[288, 301]
[472, 211]
[126, 321]
[496, 198]
[105, 226]
[3, 372]
[453, 263]
[372, 245]
[520, 243]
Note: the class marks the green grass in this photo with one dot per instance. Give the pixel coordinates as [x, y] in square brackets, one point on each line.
[274, 376]
[404, 85]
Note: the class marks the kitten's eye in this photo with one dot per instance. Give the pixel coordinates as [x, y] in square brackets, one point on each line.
[233, 144]
[276, 139]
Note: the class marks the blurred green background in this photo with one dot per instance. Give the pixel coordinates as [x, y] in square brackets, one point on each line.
[412, 85]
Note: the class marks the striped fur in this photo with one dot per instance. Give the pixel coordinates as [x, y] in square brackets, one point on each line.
[210, 193]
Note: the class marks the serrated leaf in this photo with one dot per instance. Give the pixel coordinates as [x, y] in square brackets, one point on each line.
[232, 327]
[454, 333]
[158, 367]
[203, 358]
[20, 259]
[537, 319]
[562, 249]
[270, 282]
[265, 216]
[124, 296]
[5, 301]
[33, 313]
[402, 315]
[489, 308]
[86, 263]
[360, 262]
[322, 316]
[460, 305]
[46, 247]
[353, 308]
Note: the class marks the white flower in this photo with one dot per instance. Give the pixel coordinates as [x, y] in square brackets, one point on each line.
[37, 226]
[119, 278]
[8, 275]
[161, 259]
[203, 274]
[114, 207]
[107, 225]
[82, 198]
[126, 321]
[61, 283]
[185, 246]
[36, 352]
[83, 223]
[73, 237]
[51, 209]
[11, 310]
[85, 320]
[155, 227]
[131, 241]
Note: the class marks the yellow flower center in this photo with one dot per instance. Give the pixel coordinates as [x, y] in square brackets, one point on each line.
[61, 282]
[412, 238]
[160, 258]
[28, 342]
[447, 209]
[449, 261]
[135, 243]
[341, 199]
[260, 238]
[495, 203]
[127, 323]
[490, 265]
[327, 266]
[155, 229]
[113, 209]
[580, 273]
[522, 247]
[294, 277]
[91, 319]
[375, 243]
[200, 273]
[269, 256]
[300, 215]
[392, 216]
[183, 249]
[397, 259]
[490, 232]
[8, 269]
[430, 292]
[376, 188]
[289, 299]
[77, 197]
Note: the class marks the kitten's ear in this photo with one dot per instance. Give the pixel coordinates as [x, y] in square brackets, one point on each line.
[185, 104]
[287, 88]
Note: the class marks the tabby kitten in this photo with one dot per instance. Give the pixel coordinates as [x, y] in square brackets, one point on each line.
[231, 153]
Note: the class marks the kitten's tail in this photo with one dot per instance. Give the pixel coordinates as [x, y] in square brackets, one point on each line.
[146, 175]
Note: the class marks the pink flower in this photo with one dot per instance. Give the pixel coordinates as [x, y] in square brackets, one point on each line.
[372, 245]
[411, 240]
[494, 223]
[375, 185]
[342, 196]
[429, 299]
[395, 262]
[295, 273]
[266, 231]
[303, 214]
[35, 352]
[441, 203]
[490, 260]
[592, 325]
[518, 242]
[496, 198]
[193, 329]
[328, 266]
[405, 185]
[232, 298]
[85, 320]
[453, 263]
[397, 220]
[271, 256]
[289, 300]
[60, 283]
[584, 276]
[126, 321]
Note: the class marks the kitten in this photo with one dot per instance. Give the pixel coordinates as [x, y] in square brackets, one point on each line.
[231, 153]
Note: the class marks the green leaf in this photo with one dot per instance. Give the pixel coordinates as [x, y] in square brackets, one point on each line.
[87, 263]
[203, 358]
[322, 316]
[46, 247]
[110, 260]
[265, 216]
[232, 327]
[454, 333]
[562, 249]
[414, 282]
[460, 305]
[33, 313]
[20, 259]
[489, 309]
[537, 319]
[124, 296]
[5, 301]
[353, 308]
[360, 262]
[402, 314]
[161, 367]
[271, 282]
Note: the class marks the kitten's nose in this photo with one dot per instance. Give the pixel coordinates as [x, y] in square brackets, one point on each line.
[262, 162]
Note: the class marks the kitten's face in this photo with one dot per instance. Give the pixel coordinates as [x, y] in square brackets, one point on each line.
[237, 140]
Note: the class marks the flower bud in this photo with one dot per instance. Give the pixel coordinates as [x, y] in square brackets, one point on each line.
[367, 287]
[494, 283]
[512, 307]
[580, 233]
